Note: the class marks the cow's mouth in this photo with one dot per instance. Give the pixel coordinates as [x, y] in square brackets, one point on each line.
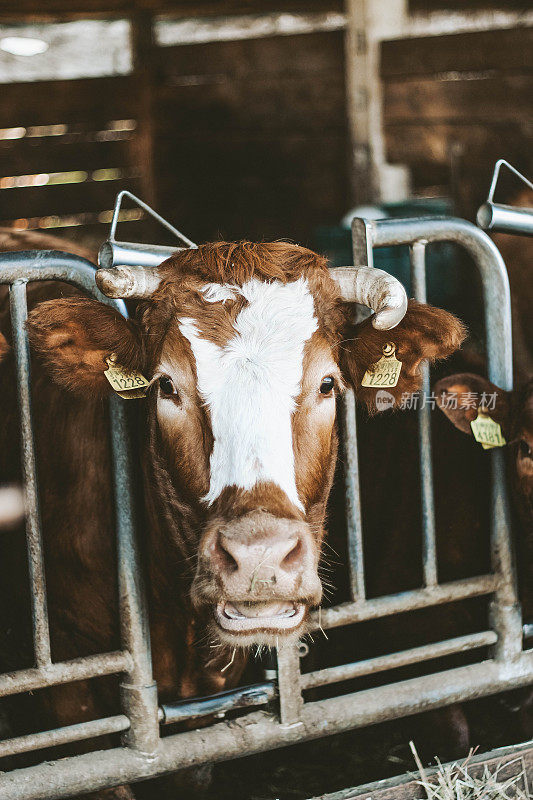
[247, 617]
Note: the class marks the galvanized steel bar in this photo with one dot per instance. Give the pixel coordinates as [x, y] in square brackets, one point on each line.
[138, 690]
[497, 308]
[126, 254]
[506, 219]
[53, 265]
[352, 499]
[347, 613]
[429, 549]
[260, 731]
[41, 632]
[289, 676]
[415, 655]
[66, 735]
[27, 680]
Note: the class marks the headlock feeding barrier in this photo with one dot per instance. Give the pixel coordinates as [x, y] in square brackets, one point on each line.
[288, 718]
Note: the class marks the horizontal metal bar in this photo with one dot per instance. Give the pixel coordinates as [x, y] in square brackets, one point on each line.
[66, 735]
[26, 680]
[131, 254]
[347, 613]
[54, 265]
[506, 219]
[258, 731]
[258, 694]
[414, 655]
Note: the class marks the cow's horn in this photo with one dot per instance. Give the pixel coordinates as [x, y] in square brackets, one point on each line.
[373, 288]
[128, 282]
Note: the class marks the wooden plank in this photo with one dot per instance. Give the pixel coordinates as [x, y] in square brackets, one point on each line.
[227, 107]
[419, 142]
[54, 154]
[475, 99]
[60, 199]
[311, 54]
[75, 9]
[500, 50]
[91, 102]
[509, 761]
[459, 5]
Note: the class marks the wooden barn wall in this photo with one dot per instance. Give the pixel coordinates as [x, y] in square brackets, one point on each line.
[250, 141]
[251, 138]
[454, 104]
[78, 127]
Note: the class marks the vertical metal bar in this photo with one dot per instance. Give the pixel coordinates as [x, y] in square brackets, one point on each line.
[363, 255]
[354, 522]
[289, 679]
[429, 550]
[138, 690]
[41, 633]
[505, 610]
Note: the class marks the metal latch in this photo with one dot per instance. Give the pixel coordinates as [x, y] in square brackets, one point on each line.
[133, 254]
[493, 216]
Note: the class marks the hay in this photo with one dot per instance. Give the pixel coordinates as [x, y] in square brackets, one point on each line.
[454, 782]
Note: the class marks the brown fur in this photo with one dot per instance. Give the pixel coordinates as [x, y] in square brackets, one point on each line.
[424, 333]
[71, 337]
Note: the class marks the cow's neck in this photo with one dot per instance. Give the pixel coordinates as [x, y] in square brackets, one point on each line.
[185, 662]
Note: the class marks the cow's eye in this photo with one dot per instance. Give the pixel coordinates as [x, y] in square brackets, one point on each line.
[525, 449]
[327, 385]
[166, 387]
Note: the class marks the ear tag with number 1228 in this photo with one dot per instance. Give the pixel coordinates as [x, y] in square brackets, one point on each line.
[487, 431]
[128, 385]
[386, 371]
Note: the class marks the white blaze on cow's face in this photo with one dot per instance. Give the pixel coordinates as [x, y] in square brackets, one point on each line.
[250, 383]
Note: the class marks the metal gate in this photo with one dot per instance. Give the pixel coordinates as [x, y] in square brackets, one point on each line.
[289, 719]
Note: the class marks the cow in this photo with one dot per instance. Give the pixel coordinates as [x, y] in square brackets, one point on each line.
[513, 411]
[246, 347]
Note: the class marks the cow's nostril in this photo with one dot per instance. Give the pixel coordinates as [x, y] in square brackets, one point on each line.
[226, 561]
[293, 559]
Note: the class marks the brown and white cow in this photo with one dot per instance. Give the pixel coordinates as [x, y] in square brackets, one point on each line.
[246, 347]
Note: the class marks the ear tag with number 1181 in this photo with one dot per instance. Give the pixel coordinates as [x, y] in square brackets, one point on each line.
[386, 371]
[487, 431]
[128, 385]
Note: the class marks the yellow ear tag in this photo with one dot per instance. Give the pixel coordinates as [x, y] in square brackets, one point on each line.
[386, 371]
[486, 431]
[128, 385]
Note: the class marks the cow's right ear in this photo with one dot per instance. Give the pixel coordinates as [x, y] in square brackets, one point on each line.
[74, 336]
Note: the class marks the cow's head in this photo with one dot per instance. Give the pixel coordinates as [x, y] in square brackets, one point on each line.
[247, 347]
[460, 396]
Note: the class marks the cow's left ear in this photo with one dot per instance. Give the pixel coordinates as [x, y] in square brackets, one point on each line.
[425, 332]
[460, 396]
[75, 335]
